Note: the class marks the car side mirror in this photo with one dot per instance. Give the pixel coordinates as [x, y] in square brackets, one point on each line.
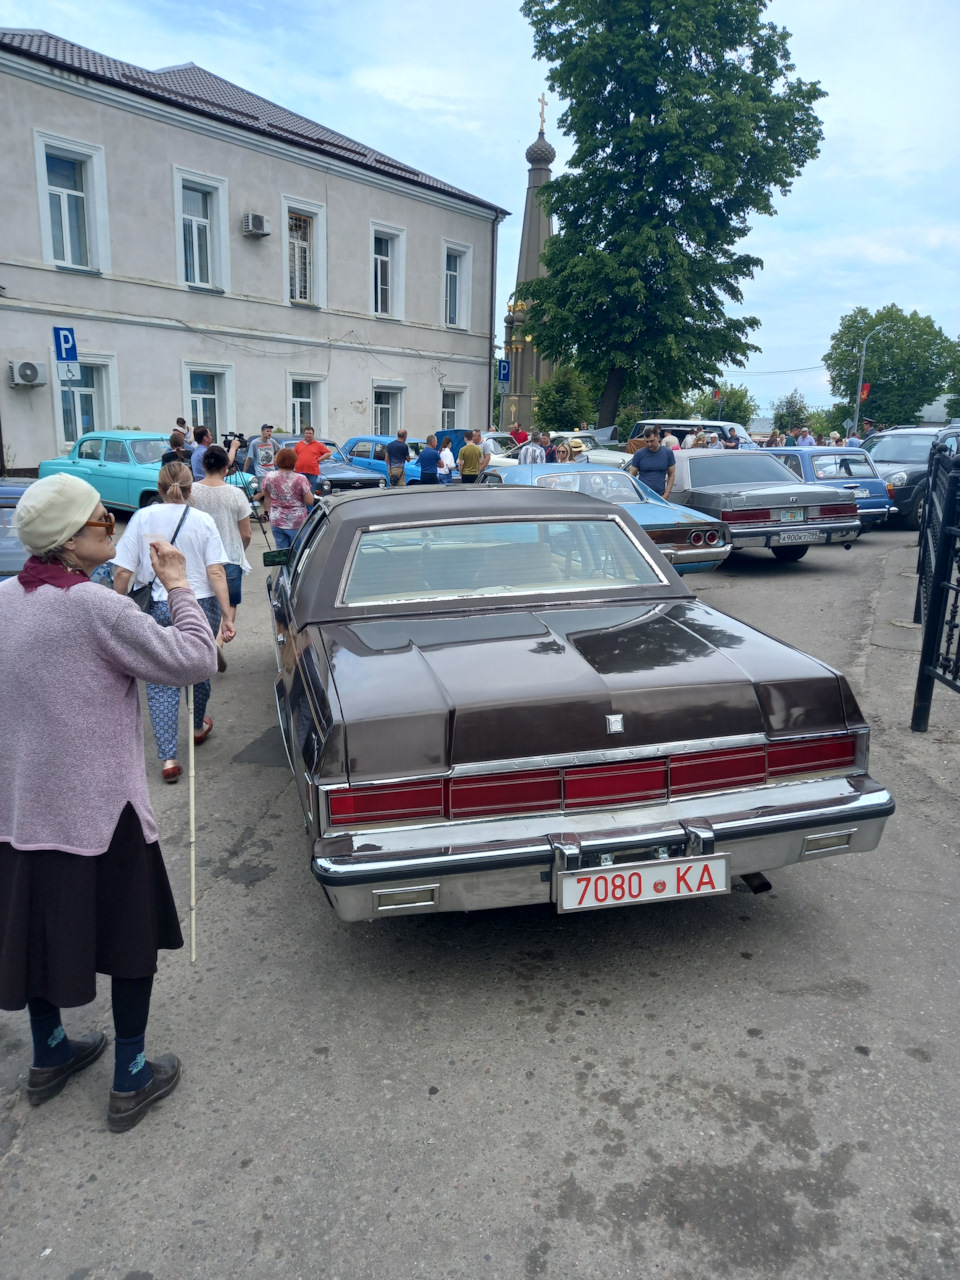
[280, 556]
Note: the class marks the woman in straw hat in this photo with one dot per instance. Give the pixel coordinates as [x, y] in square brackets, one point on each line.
[83, 888]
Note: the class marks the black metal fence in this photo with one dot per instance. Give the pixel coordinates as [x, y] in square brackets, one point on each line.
[938, 589]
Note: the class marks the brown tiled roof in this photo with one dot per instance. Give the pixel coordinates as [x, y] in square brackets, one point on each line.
[199, 91]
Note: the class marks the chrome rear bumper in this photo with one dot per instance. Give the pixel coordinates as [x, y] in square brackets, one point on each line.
[513, 862]
[745, 537]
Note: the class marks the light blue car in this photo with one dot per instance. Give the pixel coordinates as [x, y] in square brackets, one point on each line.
[122, 466]
[370, 451]
[692, 542]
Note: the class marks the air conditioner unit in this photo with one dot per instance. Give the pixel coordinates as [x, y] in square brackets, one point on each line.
[256, 224]
[28, 373]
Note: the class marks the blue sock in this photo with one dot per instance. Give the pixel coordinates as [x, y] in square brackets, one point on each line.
[51, 1048]
[131, 1070]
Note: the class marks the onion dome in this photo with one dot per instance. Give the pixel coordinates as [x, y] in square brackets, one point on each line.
[540, 153]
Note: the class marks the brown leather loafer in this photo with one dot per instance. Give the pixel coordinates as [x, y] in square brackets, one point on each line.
[171, 772]
[127, 1109]
[201, 735]
[44, 1083]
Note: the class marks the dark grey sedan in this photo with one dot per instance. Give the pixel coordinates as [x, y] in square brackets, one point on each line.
[761, 502]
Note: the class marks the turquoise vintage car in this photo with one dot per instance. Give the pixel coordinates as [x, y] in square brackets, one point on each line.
[122, 466]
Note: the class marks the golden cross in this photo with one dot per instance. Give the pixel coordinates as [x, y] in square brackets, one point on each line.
[543, 111]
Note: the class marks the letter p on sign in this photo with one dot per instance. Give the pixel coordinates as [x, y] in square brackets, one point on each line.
[66, 345]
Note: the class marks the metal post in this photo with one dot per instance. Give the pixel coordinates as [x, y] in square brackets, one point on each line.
[191, 780]
[863, 357]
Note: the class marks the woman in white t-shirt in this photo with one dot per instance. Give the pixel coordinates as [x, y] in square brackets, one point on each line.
[448, 463]
[229, 507]
[195, 535]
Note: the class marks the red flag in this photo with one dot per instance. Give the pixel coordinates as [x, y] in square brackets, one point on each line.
[716, 393]
[864, 392]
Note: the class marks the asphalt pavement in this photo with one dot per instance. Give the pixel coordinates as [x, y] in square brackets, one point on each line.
[739, 1087]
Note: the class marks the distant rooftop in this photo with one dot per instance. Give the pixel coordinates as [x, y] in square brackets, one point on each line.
[193, 89]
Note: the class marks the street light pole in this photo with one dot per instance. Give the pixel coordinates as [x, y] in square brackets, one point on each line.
[863, 356]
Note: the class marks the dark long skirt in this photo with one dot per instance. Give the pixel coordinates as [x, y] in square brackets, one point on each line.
[65, 918]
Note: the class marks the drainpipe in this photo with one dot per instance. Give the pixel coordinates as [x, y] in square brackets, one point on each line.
[493, 318]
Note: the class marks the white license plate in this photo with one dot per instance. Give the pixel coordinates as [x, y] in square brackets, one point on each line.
[633, 883]
[863, 493]
[799, 536]
[790, 515]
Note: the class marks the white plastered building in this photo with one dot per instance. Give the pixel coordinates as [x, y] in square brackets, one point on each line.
[222, 259]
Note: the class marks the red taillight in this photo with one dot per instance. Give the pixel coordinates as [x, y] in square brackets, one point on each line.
[746, 517]
[713, 538]
[610, 784]
[890, 491]
[697, 539]
[811, 757]
[504, 793]
[385, 804]
[635, 781]
[838, 512]
[712, 770]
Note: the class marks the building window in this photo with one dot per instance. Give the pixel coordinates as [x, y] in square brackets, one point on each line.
[451, 312]
[79, 404]
[386, 412]
[203, 259]
[203, 401]
[301, 403]
[448, 412]
[68, 210]
[381, 275]
[388, 252]
[196, 236]
[300, 230]
[72, 184]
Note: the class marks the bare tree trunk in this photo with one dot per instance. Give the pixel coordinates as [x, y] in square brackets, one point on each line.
[610, 400]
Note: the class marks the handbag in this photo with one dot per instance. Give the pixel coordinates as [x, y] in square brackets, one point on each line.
[142, 597]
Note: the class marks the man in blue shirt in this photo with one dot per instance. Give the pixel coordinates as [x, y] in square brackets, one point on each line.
[203, 438]
[429, 461]
[654, 464]
[398, 454]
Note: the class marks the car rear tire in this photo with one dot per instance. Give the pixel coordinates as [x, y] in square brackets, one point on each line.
[914, 519]
[149, 499]
[790, 554]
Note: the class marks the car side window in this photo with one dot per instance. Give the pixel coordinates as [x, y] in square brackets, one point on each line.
[491, 477]
[951, 443]
[380, 453]
[361, 450]
[115, 451]
[89, 450]
[795, 465]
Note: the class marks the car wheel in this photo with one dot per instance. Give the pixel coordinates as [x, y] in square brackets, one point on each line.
[149, 499]
[790, 554]
[914, 518]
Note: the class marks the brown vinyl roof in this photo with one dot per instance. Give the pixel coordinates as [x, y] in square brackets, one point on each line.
[193, 89]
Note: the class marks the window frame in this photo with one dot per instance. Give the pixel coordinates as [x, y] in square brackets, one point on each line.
[464, 284]
[318, 400]
[398, 261]
[216, 190]
[224, 390]
[395, 389]
[317, 213]
[93, 158]
[462, 409]
[106, 395]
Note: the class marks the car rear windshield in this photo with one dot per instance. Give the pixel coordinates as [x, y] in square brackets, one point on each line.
[837, 466]
[738, 468]
[449, 562]
[902, 448]
[148, 450]
[609, 486]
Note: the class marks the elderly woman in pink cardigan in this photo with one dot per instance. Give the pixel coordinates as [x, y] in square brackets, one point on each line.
[83, 888]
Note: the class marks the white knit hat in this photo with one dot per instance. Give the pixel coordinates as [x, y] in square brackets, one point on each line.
[53, 509]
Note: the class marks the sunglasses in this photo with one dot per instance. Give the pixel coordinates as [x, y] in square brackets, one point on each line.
[107, 524]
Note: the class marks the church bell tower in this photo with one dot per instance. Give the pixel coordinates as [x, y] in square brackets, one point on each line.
[525, 363]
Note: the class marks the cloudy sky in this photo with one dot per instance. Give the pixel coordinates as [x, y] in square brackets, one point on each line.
[453, 90]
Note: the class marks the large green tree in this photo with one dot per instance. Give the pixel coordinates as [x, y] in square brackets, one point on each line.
[953, 389]
[685, 120]
[908, 363]
[790, 413]
[562, 402]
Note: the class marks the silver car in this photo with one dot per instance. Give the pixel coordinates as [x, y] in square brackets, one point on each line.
[761, 502]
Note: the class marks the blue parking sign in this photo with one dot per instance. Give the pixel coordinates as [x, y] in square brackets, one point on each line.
[66, 345]
[503, 370]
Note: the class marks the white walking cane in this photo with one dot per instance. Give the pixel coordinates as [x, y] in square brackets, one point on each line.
[191, 780]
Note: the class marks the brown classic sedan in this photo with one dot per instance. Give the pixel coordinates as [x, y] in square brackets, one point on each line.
[494, 697]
